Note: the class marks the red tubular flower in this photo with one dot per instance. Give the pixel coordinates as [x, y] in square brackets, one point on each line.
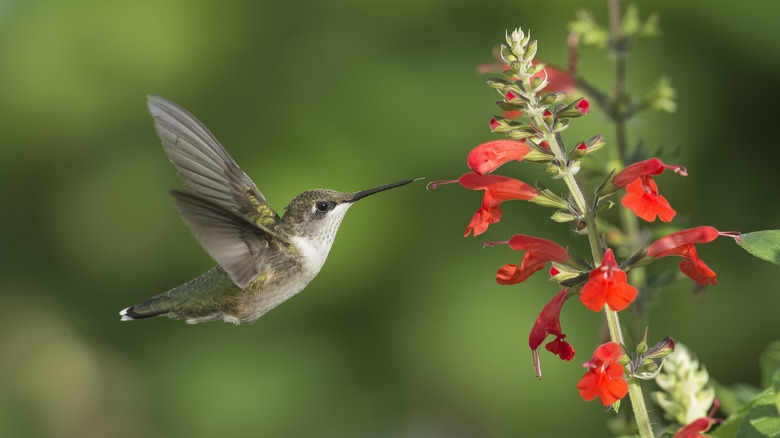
[497, 190]
[607, 285]
[653, 166]
[539, 251]
[643, 199]
[604, 378]
[489, 156]
[549, 323]
[641, 191]
[682, 243]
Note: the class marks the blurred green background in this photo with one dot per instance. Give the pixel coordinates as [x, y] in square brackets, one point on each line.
[404, 333]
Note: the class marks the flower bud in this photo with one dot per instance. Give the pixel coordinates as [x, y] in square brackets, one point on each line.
[562, 216]
[577, 108]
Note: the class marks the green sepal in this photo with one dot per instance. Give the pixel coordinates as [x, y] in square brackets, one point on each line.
[560, 125]
[552, 98]
[574, 282]
[521, 133]
[565, 272]
[577, 259]
[547, 198]
[507, 55]
[513, 105]
[498, 83]
[762, 244]
[562, 216]
[638, 259]
[641, 346]
[505, 125]
[607, 187]
[604, 206]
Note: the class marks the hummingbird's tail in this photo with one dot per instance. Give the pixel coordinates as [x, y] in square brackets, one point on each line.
[129, 314]
[211, 296]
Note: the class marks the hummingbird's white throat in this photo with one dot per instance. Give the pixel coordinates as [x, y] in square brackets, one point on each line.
[314, 247]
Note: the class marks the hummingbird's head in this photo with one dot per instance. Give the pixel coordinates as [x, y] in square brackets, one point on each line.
[317, 214]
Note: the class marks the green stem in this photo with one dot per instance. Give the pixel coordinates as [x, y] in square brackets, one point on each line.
[640, 410]
[619, 113]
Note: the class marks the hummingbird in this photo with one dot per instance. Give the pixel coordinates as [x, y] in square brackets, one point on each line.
[262, 259]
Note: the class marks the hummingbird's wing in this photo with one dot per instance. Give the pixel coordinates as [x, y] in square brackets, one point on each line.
[205, 166]
[231, 240]
[228, 215]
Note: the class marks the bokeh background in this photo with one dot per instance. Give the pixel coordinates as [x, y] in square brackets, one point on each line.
[404, 333]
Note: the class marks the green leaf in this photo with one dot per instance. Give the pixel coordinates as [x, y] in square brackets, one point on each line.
[769, 363]
[762, 244]
[758, 419]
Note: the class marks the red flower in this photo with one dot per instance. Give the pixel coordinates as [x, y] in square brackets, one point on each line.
[549, 323]
[653, 166]
[539, 251]
[607, 285]
[641, 191]
[488, 214]
[682, 243]
[643, 199]
[489, 156]
[604, 378]
[701, 425]
[497, 190]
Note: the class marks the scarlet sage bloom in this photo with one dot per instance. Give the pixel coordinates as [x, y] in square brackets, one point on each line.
[549, 323]
[607, 285]
[489, 156]
[497, 190]
[604, 378]
[682, 243]
[538, 252]
[642, 195]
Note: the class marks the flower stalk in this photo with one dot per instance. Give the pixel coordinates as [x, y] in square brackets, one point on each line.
[534, 116]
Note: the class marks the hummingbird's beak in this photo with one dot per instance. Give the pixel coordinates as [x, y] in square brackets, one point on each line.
[364, 193]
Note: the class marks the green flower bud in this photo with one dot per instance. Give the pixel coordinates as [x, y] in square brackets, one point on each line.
[562, 216]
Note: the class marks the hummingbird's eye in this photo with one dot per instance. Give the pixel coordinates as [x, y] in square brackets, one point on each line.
[322, 206]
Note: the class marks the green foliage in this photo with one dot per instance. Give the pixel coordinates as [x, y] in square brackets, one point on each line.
[763, 244]
[759, 416]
